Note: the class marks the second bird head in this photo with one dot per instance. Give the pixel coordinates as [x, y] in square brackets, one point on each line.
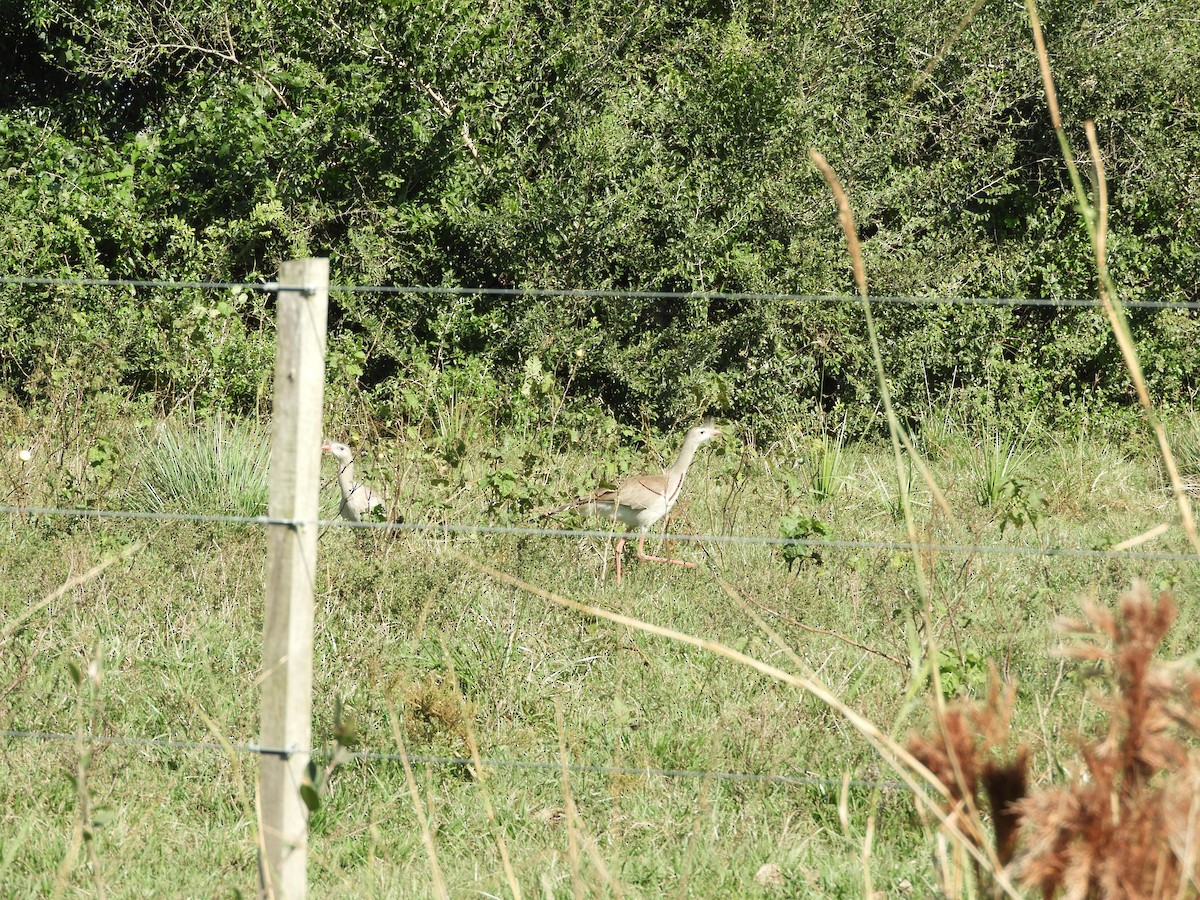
[340, 452]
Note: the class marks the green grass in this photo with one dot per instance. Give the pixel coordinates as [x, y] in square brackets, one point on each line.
[211, 467]
[178, 632]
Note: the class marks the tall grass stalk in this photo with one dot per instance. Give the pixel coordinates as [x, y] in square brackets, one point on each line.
[1095, 221]
[572, 814]
[250, 805]
[440, 890]
[846, 217]
[988, 858]
[87, 686]
[485, 792]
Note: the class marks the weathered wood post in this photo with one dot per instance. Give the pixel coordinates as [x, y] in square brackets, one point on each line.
[295, 480]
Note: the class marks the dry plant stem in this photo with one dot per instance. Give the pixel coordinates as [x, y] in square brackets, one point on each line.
[906, 766]
[1120, 326]
[972, 810]
[568, 805]
[876, 796]
[473, 746]
[1188, 886]
[847, 832]
[868, 841]
[927, 476]
[68, 861]
[810, 628]
[576, 834]
[439, 882]
[1096, 223]
[1143, 538]
[593, 851]
[844, 806]
[68, 585]
[80, 835]
[85, 813]
[846, 218]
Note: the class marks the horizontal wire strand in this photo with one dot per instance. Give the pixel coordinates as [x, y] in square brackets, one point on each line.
[529, 531]
[459, 528]
[615, 294]
[606, 293]
[460, 762]
[269, 286]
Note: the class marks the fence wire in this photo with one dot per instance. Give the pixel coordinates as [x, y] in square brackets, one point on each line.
[459, 528]
[608, 293]
[451, 761]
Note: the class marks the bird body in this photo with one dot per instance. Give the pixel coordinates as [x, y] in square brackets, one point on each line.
[641, 501]
[358, 499]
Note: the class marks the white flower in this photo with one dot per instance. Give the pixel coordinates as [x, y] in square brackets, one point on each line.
[26, 455]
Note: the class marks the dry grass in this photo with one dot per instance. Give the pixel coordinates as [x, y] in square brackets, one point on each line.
[1125, 824]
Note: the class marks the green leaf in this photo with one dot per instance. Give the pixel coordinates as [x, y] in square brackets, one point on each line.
[311, 797]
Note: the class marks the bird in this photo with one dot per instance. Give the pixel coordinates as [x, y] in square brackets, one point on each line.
[640, 501]
[358, 499]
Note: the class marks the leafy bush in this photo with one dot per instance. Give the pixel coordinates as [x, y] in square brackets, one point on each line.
[599, 146]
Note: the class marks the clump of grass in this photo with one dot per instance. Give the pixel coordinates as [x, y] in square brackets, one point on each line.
[1185, 442]
[212, 467]
[1000, 461]
[436, 713]
[826, 466]
[937, 429]
[1001, 482]
[1125, 826]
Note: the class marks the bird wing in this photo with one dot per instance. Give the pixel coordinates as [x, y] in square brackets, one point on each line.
[371, 496]
[637, 494]
[361, 498]
[641, 491]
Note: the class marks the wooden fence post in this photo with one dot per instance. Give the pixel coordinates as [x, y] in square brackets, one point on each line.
[295, 481]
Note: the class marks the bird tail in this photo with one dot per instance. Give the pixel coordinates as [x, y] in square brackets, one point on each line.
[547, 513]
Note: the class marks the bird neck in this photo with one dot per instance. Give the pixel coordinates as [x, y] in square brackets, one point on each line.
[686, 454]
[346, 477]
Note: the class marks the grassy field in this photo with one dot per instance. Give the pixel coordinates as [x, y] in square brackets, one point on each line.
[166, 645]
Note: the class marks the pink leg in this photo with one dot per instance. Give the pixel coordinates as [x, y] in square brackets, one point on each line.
[620, 550]
[641, 554]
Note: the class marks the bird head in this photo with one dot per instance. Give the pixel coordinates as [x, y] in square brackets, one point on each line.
[702, 433]
[340, 451]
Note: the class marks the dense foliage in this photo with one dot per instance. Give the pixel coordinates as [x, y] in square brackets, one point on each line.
[652, 146]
